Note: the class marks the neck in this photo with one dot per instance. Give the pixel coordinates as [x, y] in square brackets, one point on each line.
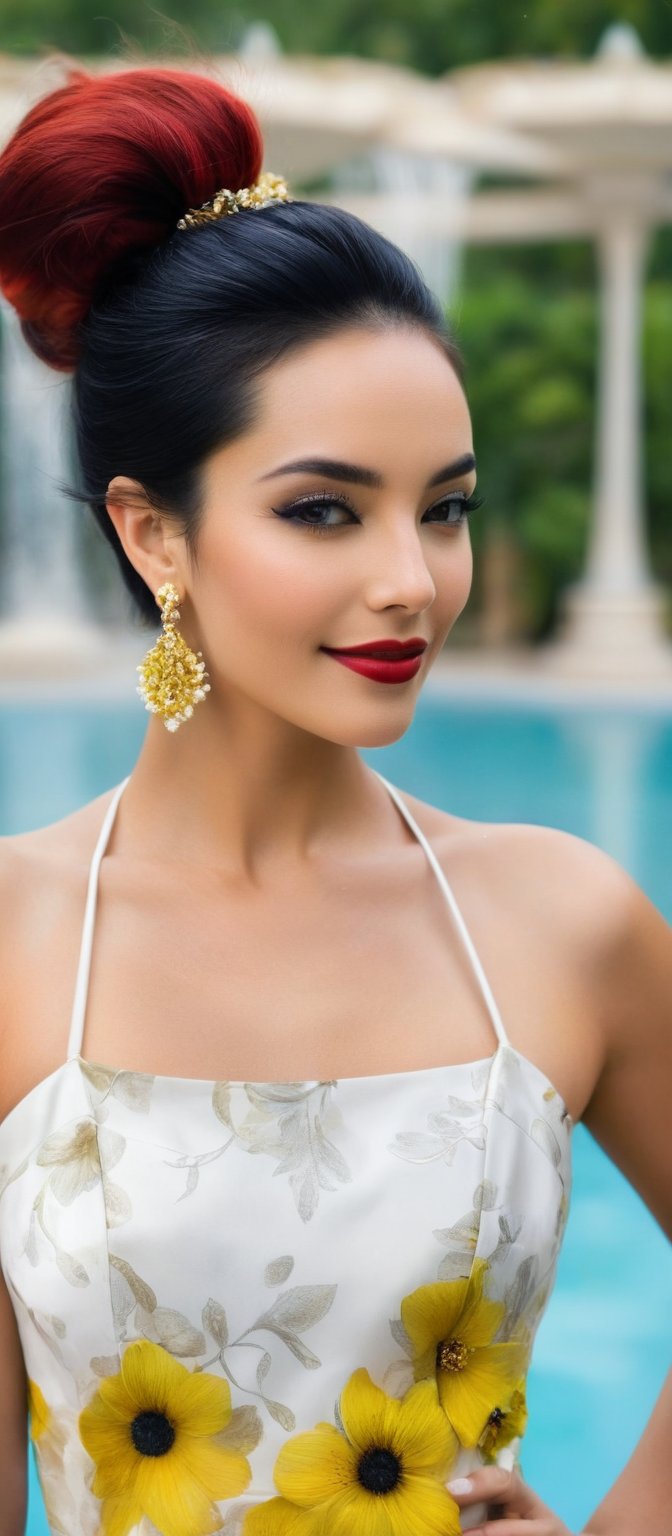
[250, 800]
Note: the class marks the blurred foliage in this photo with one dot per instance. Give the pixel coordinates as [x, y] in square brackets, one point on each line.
[430, 35]
[527, 321]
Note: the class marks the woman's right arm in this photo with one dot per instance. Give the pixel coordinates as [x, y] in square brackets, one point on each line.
[13, 1423]
[13, 1385]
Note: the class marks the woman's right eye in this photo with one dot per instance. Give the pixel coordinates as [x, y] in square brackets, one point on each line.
[299, 512]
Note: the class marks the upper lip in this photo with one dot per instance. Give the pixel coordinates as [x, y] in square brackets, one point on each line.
[394, 649]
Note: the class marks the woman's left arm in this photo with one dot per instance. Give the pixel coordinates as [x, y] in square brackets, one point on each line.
[630, 1115]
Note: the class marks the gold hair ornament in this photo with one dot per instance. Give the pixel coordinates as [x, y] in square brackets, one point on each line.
[172, 677]
[267, 189]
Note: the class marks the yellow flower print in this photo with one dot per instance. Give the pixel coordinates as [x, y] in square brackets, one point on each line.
[39, 1410]
[277, 1517]
[451, 1326]
[155, 1434]
[384, 1475]
[504, 1424]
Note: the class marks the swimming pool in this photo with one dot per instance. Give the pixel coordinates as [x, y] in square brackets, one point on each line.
[603, 773]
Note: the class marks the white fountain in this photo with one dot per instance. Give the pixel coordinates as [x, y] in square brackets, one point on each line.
[44, 615]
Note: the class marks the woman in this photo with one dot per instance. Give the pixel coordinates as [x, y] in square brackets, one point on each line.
[278, 1267]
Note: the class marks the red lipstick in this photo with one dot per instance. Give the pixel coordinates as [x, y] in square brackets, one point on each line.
[383, 661]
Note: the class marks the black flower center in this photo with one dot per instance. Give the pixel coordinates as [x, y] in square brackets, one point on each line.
[152, 1433]
[452, 1355]
[379, 1470]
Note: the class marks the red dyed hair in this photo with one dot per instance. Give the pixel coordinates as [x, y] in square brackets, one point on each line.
[104, 166]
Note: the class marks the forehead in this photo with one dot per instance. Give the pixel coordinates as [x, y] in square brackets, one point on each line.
[362, 390]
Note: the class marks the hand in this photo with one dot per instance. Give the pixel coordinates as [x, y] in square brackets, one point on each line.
[513, 1507]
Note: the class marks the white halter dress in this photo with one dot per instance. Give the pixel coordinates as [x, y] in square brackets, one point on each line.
[202, 1271]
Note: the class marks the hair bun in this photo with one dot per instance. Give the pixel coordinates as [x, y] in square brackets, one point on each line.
[101, 167]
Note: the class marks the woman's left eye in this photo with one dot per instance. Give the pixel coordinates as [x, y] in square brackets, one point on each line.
[461, 503]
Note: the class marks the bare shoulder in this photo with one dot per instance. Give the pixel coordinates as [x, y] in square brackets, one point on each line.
[42, 872]
[27, 859]
[590, 935]
[567, 874]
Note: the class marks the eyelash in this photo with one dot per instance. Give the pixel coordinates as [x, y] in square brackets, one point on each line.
[467, 504]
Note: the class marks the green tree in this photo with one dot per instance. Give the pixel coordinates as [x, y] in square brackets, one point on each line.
[528, 324]
[430, 35]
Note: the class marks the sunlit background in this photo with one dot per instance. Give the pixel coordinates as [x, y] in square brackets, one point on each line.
[522, 154]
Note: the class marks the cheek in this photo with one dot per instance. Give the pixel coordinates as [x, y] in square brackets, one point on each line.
[453, 579]
[270, 592]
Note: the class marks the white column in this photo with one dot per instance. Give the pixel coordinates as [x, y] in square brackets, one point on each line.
[613, 619]
[617, 559]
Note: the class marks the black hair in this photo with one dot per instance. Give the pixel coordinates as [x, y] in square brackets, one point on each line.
[170, 354]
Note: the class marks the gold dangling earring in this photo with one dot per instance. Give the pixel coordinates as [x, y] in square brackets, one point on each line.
[172, 677]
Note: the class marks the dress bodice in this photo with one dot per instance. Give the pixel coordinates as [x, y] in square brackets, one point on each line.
[217, 1261]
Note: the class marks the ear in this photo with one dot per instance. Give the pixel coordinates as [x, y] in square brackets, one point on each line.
[148, 538]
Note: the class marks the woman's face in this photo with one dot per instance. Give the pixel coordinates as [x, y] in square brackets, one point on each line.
[372, 546]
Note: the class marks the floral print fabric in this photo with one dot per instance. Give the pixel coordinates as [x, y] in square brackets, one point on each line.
[258, 1246]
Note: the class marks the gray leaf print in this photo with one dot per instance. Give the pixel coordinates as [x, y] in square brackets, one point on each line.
[214, 1322]
[485, 1196]
[132, 1089]
[508, 1234]
[100, 1078]
[44, 1333]
[519, 1294]
[221, 1103]
[263, 1369]
[397, 1378]
[545, 1138]
[192, 1181]
[232, 1524]
[118, 1207]
[281, 1414]
[110, 1148]
[141, 1292]
[243, 1431]
[298, 1309]
[123, 1300]
[455, 1266]
[193, 1163]
[331, 1158]
[166, 1326]
[74, 1160]
[415, 1147]
[279, 1270]
[299, 1349]
[400, 1336]
[71, 1268]
[464, 1231]
[105, 1365]
[30, 1248]
[480, 1076]
[287, 1121]
[7, 1178]
[457, 1120]
[305, 1188]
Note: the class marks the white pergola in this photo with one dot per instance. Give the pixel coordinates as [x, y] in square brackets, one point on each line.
[595, 141]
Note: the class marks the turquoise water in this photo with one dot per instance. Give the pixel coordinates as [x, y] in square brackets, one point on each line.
[603, 774]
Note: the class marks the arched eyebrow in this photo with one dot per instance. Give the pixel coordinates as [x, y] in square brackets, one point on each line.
[355, 474]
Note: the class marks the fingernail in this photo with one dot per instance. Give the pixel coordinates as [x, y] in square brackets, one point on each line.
[460, 1485]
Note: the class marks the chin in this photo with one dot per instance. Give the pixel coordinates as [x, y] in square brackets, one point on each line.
[382, 734]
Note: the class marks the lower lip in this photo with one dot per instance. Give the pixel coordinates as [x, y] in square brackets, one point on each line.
[380, 671]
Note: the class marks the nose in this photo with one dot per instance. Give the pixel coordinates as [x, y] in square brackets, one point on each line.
[399, 575]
